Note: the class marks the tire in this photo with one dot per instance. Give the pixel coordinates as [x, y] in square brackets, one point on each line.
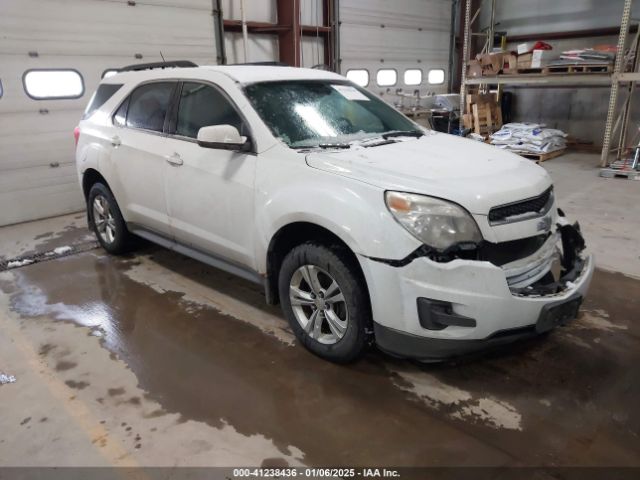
[109, 227]
[342, 333]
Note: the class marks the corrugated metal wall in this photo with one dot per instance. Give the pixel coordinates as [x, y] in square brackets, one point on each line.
[402, 34]
[37, 174]
[579, 111]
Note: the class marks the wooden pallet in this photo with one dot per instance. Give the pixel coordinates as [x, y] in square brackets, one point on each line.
[487, 118]
[614, 172]
[583, 68]
[568, 69]
[540, 157]
[530, 70]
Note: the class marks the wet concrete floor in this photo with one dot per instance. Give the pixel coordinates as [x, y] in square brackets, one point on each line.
[176, 363]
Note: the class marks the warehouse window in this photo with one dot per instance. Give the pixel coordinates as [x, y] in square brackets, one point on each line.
[359, 76]
[436, 76]
[387, 77]
[53, 84]
[148, 105]
[413, 76]
[100, 97]
[109, 72]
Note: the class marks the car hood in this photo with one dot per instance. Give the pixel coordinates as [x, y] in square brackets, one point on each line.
[473, 174]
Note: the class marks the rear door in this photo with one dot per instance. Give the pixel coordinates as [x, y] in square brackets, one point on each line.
[210, 191]
[139, 156]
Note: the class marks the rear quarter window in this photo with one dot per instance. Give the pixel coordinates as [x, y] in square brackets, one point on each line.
[100, 97]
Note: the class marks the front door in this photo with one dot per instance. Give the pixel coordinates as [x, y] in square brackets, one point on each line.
[209, 191]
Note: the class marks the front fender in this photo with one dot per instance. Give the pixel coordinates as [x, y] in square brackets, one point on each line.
[352, 210]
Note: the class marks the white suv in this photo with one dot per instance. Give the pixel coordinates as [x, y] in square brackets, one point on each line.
[366, 227]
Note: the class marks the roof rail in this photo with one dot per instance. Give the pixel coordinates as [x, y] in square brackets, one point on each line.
[261, 64]
[150, 66]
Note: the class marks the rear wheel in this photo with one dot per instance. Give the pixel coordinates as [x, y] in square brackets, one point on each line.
[106, 220]
[324, 298]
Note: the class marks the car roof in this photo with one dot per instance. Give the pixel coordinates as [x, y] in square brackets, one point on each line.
[243, 74]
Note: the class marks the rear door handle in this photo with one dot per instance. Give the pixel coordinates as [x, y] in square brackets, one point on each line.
[174, 159]
[115, 141]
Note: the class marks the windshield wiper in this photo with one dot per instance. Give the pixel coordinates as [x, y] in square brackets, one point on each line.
[379, 143]
[401, 133]
[334, 145]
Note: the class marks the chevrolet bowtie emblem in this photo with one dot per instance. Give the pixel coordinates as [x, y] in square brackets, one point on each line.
[544, 224]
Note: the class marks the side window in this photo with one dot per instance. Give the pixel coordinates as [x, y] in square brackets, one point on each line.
[148, 105]
[100, 97]
[201, 106]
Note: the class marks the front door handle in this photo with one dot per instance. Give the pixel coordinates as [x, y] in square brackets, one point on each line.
[115, 141]
[174, 159]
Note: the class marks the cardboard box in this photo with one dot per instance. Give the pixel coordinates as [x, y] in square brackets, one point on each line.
[509, 63]
[540, 58]
[526, 47]
[535, 59]
[491, 63]
[524, 61]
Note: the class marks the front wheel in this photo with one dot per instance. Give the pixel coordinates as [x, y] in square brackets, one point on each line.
[324, 297]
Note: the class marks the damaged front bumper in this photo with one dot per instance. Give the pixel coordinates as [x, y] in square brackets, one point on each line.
[433, 310]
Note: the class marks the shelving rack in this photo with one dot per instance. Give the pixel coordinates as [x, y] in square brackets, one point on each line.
[614, 79]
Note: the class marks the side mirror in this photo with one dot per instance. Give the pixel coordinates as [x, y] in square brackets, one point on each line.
[225, 137]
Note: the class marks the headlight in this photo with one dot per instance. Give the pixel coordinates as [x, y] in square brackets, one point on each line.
[437, 223]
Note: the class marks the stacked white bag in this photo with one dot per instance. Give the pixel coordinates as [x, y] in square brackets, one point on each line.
[529, 137]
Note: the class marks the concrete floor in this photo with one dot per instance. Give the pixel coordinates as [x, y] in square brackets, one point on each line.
[155, 359]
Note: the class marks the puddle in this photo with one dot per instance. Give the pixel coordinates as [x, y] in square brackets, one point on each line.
[245, 372]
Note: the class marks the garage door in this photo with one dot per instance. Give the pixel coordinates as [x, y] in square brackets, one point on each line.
[68, 44]
[400, 44]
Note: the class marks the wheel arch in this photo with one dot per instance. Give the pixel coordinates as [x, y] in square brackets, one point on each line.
[90, 177]
[292, 235]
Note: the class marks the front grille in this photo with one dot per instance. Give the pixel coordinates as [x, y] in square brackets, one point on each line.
[506, 252]
[516, 211]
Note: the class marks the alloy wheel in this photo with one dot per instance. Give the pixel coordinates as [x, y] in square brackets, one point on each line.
[318, 304]
[103, 219]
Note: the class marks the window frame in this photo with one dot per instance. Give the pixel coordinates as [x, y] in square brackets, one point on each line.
[444, 76]
[391, 85]
[359, 70]
[171, 117]
[175, 106]
[404, 75]
[127, 99]
[72, 97]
